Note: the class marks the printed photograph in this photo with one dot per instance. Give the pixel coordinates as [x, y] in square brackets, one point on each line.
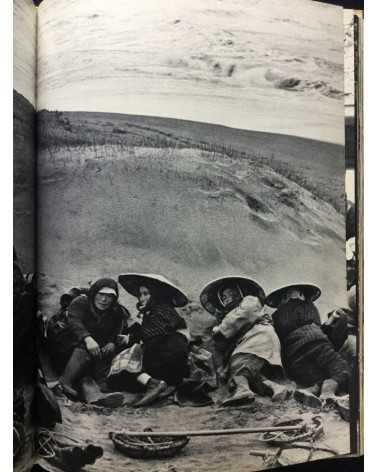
[194, 310]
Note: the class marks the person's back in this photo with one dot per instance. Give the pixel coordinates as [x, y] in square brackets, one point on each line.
[308, 356]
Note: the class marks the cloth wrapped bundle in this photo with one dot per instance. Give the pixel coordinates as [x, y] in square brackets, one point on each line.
[129, 360]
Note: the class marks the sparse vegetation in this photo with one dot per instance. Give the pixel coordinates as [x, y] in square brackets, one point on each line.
[121, 137]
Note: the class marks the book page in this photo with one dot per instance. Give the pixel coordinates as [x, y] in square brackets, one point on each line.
[24, 261]
[192, 154]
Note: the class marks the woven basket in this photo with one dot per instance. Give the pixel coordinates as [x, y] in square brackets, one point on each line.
[309, 431]
[146, 447]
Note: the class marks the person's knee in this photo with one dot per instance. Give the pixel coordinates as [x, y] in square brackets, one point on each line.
[83, 353]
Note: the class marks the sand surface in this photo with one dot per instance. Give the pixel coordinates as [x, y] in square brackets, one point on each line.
[218, 453]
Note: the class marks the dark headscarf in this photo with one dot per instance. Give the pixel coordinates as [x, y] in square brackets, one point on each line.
[85, 320]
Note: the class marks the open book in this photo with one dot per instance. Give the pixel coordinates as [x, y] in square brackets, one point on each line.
[184, 249]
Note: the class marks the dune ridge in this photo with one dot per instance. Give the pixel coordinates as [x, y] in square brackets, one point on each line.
[126, 201]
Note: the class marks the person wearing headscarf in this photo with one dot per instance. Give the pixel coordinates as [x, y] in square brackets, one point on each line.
[162, 332]
[95, 323]
[308, 356]
[251, 349]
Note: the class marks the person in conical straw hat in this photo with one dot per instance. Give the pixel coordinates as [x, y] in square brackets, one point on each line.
[250, 347]
[163, 332]
[308, 356]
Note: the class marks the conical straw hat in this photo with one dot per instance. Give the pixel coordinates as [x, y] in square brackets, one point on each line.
[210, 293]
[132, 282]
[310, 291]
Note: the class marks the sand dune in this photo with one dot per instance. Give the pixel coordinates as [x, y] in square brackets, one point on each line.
[189, 213]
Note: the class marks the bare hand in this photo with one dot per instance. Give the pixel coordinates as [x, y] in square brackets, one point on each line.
[108, 349]
[92, 347]
[215, 330]
[332, 319]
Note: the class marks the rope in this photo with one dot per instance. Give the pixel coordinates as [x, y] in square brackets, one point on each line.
[46, 444]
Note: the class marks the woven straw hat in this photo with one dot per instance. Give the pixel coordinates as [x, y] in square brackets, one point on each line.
[132, 282]
[210, 293]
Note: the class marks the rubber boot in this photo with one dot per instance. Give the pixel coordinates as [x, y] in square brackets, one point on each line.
[278, 392]
[92, 394]
[241, 392]
[308, 396]
[153, 391]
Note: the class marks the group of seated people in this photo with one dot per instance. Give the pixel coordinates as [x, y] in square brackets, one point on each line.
[256, 352]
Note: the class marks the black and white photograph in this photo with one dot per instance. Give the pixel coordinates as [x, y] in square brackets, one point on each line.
[184, 168]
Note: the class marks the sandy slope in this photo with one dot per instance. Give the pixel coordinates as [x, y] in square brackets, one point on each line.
[188, 213]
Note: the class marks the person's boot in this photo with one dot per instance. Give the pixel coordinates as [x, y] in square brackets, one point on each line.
[241, 394]
[153, 391]
[308, 396]
[75, 367]
[62, 391]
[276, 391]
[92, 394]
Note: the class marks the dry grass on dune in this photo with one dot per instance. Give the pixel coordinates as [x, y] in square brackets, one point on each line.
[317, 166]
